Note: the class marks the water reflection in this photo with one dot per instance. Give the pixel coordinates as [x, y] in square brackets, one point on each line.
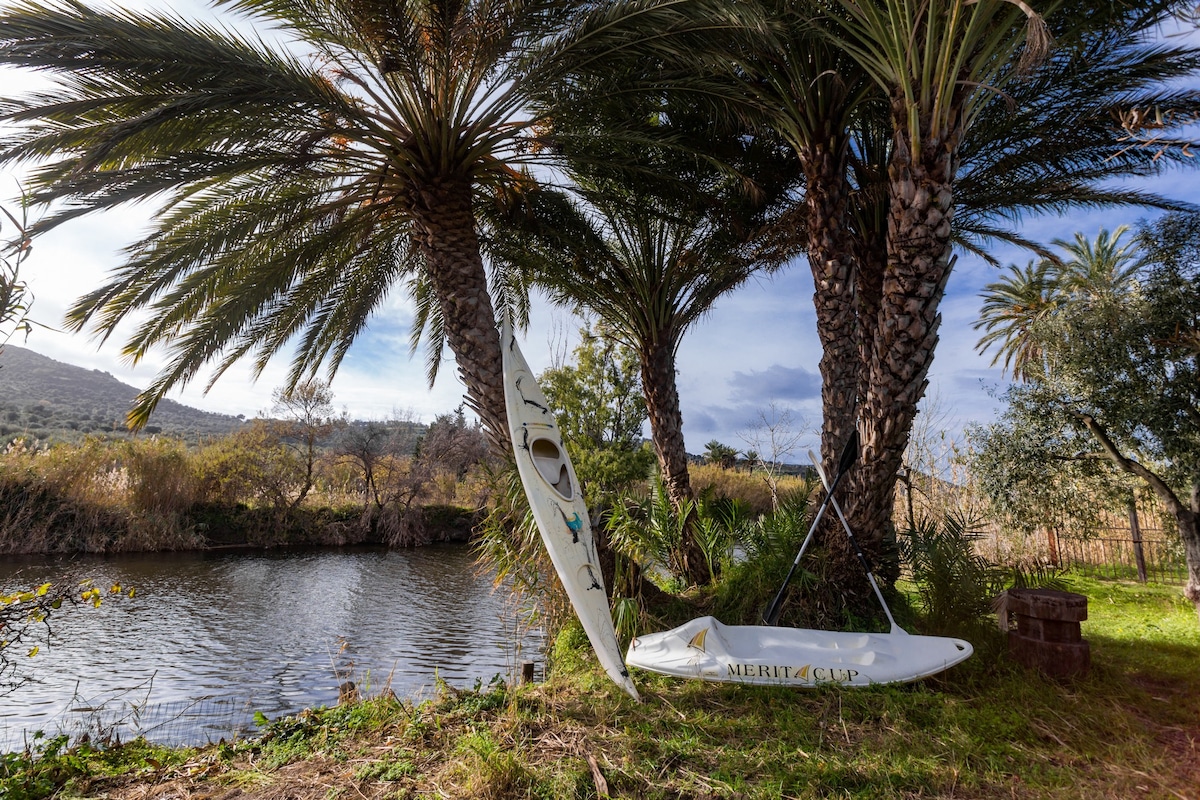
[273, 632]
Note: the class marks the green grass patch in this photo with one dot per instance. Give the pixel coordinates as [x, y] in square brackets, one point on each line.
[52, 767]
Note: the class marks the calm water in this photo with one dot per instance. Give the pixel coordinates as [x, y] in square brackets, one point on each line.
[210, 639]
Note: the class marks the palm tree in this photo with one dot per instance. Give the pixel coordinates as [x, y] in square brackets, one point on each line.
[815, 97]
[299, 186]
[1012, 309]
[720, 454]
[1096, 273]
[950, 73]
[651, 274]
[1098, 269]
[649, 240]
[935, 62]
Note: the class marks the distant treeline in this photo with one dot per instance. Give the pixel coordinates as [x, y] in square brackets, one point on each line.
[268, 483]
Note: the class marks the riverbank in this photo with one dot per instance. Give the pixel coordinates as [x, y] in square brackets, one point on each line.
[987, 729]
[46, 524]
[255, 487]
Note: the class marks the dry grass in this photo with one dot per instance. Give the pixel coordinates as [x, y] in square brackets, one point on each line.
[750, 487]
[151, 494]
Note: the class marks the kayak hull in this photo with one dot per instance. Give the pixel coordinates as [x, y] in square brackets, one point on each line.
[559, 508]
[765, 655]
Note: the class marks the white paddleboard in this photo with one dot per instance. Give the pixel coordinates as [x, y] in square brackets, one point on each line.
[559, 508]
[766, 655]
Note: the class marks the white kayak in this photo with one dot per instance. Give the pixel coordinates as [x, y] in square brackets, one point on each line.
[766, 655]
[559, 508]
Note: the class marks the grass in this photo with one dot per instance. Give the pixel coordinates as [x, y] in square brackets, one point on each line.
[987, 729]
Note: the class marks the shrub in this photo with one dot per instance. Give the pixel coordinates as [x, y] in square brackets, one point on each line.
[768, 546]
[955, 585]
[250, 465]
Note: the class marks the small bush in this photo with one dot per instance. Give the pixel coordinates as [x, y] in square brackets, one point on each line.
[768, 546]
[955, 586]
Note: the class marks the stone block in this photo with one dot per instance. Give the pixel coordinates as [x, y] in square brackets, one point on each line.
[1056, 659]
[1048, 630]
[1048, 604]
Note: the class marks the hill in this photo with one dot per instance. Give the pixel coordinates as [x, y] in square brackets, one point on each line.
[53, 400]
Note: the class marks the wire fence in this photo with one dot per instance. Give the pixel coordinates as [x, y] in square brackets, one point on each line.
[1114, 554]
[1155, 555]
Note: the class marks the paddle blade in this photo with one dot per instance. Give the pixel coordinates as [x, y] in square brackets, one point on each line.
[849, 453]
[770, 615]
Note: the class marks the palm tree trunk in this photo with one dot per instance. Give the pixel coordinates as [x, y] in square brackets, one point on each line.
[666, 431]
[830, 258]
[870, 267]
[919, 264]
[444, 229]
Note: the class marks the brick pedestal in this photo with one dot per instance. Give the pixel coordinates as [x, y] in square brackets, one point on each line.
[1048, 636]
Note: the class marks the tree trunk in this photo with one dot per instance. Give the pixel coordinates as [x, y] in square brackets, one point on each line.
[829, 257]
[1189, 531]
[1187, 520]
[871, 265]
[444, 229]
[1135, 533]
[1052, 546]
[666, 431]
[920, 194]
[1187, 514]
[848, 268]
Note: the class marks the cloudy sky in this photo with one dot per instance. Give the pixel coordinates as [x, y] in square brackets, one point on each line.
[755, 352]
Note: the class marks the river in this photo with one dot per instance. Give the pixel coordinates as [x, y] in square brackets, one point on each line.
[209, 639]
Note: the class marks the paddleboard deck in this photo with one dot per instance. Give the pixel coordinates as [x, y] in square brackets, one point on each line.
[559, 508]
[765, 655]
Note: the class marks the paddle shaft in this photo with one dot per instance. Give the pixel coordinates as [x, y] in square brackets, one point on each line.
[862, 557]
[770, 615]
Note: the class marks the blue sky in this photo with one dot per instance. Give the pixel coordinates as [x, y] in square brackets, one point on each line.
[757, 349]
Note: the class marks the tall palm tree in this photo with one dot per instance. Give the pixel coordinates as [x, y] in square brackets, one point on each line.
[1017, 310]
[934, 62]
[1100, 268]
[299, 185]
[951, 72]
[649, 240]
[814, 96]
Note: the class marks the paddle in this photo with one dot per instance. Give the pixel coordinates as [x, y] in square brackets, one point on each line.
[862, 557]
[770, 615]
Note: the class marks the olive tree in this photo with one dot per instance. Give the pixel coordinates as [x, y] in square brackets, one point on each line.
[1119, 381]
[307, 420]
[601, 411]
